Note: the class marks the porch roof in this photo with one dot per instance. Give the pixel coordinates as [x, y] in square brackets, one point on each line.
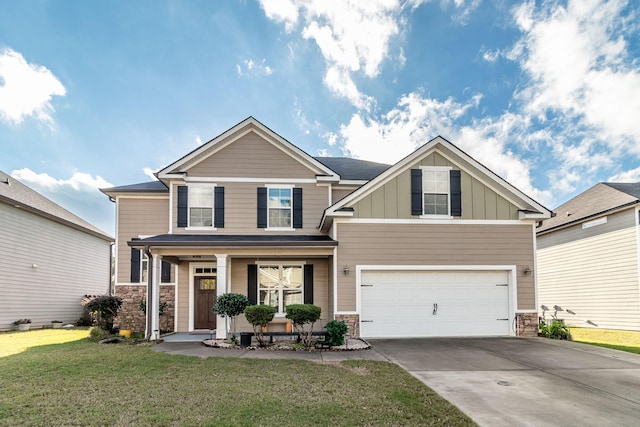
[226, 240]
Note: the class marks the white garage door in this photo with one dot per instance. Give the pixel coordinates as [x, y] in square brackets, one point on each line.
[434, 303]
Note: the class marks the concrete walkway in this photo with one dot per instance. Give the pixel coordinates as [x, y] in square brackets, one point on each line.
[199, 350]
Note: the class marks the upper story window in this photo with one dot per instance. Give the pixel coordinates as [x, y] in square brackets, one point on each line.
[280, 207]
[436, 192]
[200, 206]
[435, 187]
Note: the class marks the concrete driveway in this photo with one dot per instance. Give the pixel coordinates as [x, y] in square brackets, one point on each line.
[525, 381]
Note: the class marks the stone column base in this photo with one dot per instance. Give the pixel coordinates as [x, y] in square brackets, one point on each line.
[527, 324]
[353, 323]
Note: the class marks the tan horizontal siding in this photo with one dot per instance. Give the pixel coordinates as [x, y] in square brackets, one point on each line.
[593, 272]
[138, 217]
[250, 157]
[69, 263]
[408, 244]
[337, 194]
[182, 295]
[240, 210]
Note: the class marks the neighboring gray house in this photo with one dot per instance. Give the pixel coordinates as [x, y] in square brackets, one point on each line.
[50, 258]
[588, 258]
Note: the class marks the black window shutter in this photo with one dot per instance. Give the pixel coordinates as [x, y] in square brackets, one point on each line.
[456, 193]
[252, 283]
[165, 277]
[183, 205]
[135, 265]
[308, 284]
[262, 207]
[297, 208]
[218, 203]
[416, 192]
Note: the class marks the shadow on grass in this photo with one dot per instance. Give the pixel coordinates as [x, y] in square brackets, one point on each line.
[629, 349]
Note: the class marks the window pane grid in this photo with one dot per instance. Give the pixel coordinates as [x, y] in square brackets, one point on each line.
[435, 187]
[280, 285]
[200, 206]
[280, 207]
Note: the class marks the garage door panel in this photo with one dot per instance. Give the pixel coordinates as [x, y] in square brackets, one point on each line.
[401, 303]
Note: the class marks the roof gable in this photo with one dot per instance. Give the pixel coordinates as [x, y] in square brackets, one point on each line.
[448, 151]
[236, 133]
[596, 201]
[15, 193]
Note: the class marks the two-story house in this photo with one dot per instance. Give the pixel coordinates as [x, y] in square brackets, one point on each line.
[434, 245]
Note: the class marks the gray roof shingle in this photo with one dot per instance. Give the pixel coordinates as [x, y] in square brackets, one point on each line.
[19, 195]
[353, 169]
[595, 201]
[144, 187]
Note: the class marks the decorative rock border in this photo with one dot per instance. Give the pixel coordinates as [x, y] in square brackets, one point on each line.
[352, 344]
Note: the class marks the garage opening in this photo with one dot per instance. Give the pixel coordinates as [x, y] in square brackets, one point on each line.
[419, 303]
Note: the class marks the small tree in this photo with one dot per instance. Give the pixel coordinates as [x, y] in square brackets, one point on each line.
[231, 306]
[301, 315]
[259, 316]
[106, 309]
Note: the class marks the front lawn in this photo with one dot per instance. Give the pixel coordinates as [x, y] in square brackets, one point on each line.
[610, 338]
[83, 383]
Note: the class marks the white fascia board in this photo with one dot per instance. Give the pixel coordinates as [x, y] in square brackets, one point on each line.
[353, 182]
[532, 215]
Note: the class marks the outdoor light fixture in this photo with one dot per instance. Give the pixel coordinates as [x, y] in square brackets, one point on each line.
[345, 270]
[34, 266]
[527, 270]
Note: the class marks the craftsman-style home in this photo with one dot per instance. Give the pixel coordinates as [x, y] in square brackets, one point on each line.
[434, 245]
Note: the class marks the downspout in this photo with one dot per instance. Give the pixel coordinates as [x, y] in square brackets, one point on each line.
[148, 329]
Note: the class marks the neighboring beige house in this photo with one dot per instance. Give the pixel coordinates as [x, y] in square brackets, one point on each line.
[588, 258]
[435, 245]
[50, 258]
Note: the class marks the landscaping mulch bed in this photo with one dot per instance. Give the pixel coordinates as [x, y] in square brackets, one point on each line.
[351, 344]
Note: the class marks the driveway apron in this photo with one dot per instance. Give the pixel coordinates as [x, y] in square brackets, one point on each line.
[525, 381]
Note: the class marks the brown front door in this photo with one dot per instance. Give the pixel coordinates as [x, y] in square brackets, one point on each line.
[205, 293]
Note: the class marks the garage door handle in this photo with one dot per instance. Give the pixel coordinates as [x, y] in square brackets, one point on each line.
[366, 321]
[502, 319]
[435, 308]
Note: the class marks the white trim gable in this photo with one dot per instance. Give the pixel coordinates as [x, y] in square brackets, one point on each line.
[175, 170]
[489, 178]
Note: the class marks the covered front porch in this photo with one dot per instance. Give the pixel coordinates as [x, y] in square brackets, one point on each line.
[275, 270]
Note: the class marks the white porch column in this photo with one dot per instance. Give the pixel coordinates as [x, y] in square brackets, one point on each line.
[155, 296]
[221, 288]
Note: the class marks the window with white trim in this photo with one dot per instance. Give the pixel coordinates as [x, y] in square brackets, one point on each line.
[280, 285]
[200, 206]
[436, 191]
[280, 207]
[144, 266]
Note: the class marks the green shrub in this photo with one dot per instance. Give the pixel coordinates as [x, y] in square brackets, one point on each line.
[556, 330]
[303, 317]
[259, 316]
[231, 305]
[97, 334]
[105, 308]
[336, 331]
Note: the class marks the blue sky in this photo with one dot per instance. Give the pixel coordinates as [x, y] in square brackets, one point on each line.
[100, 94]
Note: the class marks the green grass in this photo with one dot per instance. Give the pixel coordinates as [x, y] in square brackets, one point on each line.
[619, 340]
[83, 383]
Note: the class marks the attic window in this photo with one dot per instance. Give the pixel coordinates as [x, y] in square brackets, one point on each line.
[594, 223]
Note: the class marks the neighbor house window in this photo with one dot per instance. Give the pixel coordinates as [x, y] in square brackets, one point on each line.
[280, 207]
[435, 188]
[280, 285]
[200, 206]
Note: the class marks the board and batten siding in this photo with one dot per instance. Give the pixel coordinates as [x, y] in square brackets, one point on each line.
[434, 244]
[70, 264]
[393, 199]
[250, 156]
[144, 216]
[593, 272]
[241, 214]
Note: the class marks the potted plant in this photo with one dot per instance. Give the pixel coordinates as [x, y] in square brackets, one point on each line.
[23, 324]
[56, 324]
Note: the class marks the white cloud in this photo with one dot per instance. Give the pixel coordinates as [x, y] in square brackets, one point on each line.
[198, 140]
[285, 11]
[26, 89]
[79, 181]
[150, 173]
[632, 175]
[253, 68]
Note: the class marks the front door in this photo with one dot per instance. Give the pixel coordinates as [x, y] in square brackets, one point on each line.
[205, 296]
